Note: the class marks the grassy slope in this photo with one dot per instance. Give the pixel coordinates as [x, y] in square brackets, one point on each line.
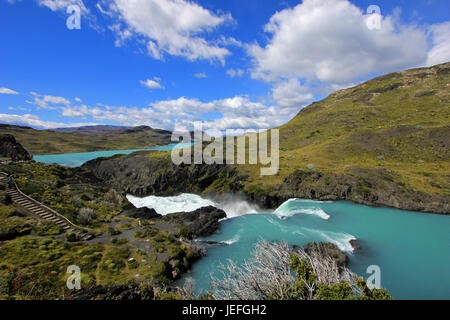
[52, 142]
[400, 118]
[32, 248]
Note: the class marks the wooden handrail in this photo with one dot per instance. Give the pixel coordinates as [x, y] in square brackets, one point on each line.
[47, 208]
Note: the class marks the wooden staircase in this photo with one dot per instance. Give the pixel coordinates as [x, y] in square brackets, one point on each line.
[35, 207]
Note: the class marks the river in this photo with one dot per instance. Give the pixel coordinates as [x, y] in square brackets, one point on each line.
[412, 249]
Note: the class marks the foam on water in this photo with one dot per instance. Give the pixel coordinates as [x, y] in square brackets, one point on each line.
[187, 202]
[236, 207]
[289, 208]
[232, 240]
[342, 240]
[397, 241]
[184, 202]
[310, 201]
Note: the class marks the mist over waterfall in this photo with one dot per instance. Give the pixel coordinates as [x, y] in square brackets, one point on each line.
[233, 206]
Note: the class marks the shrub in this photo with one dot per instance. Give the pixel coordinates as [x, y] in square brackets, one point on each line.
[72, 237]
[119, 241]
[86, 216]
[113, 231]
[7, 200]
[47, 228]
[275, 272]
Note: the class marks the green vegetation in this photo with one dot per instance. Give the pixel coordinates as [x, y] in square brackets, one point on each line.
[276, 272]
[390, 131]
[47, 228]
[12, 223]
[67, 192]
[37, 250]
[343, 290]
[40, 142]
[397, 122]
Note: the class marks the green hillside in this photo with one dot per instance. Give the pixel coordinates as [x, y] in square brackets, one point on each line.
[41, 142]
[394, 130]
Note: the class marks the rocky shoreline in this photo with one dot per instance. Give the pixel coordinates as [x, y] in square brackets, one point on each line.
[140, 175]
[372, 187]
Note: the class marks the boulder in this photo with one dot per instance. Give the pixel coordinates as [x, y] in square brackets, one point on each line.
[328, 250]
[141, 213]
[202, 222]
[10, 148]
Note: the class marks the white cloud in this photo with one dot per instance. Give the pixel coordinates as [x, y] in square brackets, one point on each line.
[152, 84]
[4, 90]
[77, 99]
[201, 75]
[61, 5]
[440, 51]
[238, 112]
[235, 72]
[80, 111]
[35, 122]
[47, 101]
[290, 94]
[329, 41]
[175, 27]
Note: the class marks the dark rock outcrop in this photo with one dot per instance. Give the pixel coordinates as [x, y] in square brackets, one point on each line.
[141, 213]
[328, 250]
[141, 175]
[356, 244]
[373, 187]
[10, 148]
[202, 222]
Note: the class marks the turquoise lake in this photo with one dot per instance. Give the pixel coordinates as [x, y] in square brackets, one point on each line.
[78, 159]
[411, 248]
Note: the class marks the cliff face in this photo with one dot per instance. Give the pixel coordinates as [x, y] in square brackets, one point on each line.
[141, 175]
[385, 142]
[10, 148]
[373, 187]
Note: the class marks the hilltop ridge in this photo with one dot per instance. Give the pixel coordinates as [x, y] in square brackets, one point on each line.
[385, 142]
[86, 139]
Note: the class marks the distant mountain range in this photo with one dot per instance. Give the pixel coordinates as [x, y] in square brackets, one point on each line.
[93, 129]
[86, 139]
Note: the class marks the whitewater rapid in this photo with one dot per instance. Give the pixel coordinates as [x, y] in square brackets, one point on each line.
[288, 209]
[187, 202]
[235, 207]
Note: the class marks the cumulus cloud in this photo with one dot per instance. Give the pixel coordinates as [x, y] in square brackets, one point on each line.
[290, 93]
[329, 41]
[152, 84]
[4, 90]
[440, 51]
[47, 101]
[35, 122]
[80, 111]
[175, 27]
[201, 75]
[62, 5]
[238, 112]
[235, 72]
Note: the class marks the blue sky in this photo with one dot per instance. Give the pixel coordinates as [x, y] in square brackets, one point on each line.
[232, 64]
